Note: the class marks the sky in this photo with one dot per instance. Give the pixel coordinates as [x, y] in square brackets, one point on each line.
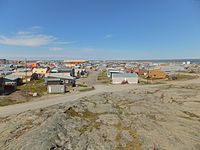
[100, 29]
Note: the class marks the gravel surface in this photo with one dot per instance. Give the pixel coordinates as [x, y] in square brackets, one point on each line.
[164, 117]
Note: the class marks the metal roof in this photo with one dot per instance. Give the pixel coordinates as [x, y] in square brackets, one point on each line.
[61, 76]
[124, 75]
[52, 79]
[12, 77]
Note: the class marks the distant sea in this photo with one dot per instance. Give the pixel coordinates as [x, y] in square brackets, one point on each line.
[192, 61]
[179, 61]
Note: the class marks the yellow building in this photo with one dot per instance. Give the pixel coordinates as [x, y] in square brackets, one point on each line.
[70, 65]
[75, 61]
[41, 71]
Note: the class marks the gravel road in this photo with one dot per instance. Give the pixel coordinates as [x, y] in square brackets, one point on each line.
[49, 101]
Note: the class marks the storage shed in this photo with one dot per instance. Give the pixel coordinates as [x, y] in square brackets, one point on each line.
[56, 88]
[60, 79]
[10, 83]
[57, 83]
[122, 78]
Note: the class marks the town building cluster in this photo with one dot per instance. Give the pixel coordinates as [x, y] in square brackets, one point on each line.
[58, 75]
[122, 72]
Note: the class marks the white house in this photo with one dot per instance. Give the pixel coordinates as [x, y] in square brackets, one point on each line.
[120, 78]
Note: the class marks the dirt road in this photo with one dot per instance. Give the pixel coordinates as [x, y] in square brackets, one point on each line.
[162, 116]
[91, 80]
[49, 101]
[19, 108]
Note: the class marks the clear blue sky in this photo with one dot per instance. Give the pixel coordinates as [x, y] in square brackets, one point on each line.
[100, 29]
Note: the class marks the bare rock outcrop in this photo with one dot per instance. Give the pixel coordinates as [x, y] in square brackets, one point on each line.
[134, 119]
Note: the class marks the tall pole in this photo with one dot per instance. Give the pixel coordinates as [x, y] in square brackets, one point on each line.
[26, 69]
[26, 75]
[148, 74]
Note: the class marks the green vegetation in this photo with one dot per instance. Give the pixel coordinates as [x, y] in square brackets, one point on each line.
[35, 86]
[87, 115]
[6, 101]
[102, 77]
[81, 85]
[84, 89]
[84, 115]
[135, 144]
[21, 95]
[184, 77]
[90, 126]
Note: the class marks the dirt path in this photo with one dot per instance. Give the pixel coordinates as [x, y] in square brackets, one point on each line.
[91, 80]
[19, 108]
[49, 101]
[162, 116]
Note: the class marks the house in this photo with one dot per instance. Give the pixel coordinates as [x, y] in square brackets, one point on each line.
[64, 70]
[67, 80]
[10, 83]
[115, 72]
[112, 70]
[80, 73]
[156, 74]
[1, 85]
[172, 68]
[6, 67]
[194, 70]
[3, 61]
[4, 72]
[26, 76]
[57, 83]
[73, 63]
[124, 78]
[142, 72]
[58, 74]
[40, 71]
[13, 78]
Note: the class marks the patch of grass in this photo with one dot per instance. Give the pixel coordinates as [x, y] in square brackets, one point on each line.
[71, 112]
[89, 116]
[106, 81]
[81, 85]
[136, 141]
[35, 86]
[134, 145]
[91, 126]
[7, 101]
[184, 77]
[84, 115]
[84, 89]
[83, 129]
[102, 77]
[102, 74]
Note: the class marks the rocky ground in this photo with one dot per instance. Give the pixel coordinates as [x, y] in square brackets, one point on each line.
[165, 117]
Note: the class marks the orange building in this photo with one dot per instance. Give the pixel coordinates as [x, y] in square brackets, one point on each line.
[156, 74]
[75, 61]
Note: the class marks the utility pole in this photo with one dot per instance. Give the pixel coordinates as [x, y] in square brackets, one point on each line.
[147, 73]
[26, 75]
